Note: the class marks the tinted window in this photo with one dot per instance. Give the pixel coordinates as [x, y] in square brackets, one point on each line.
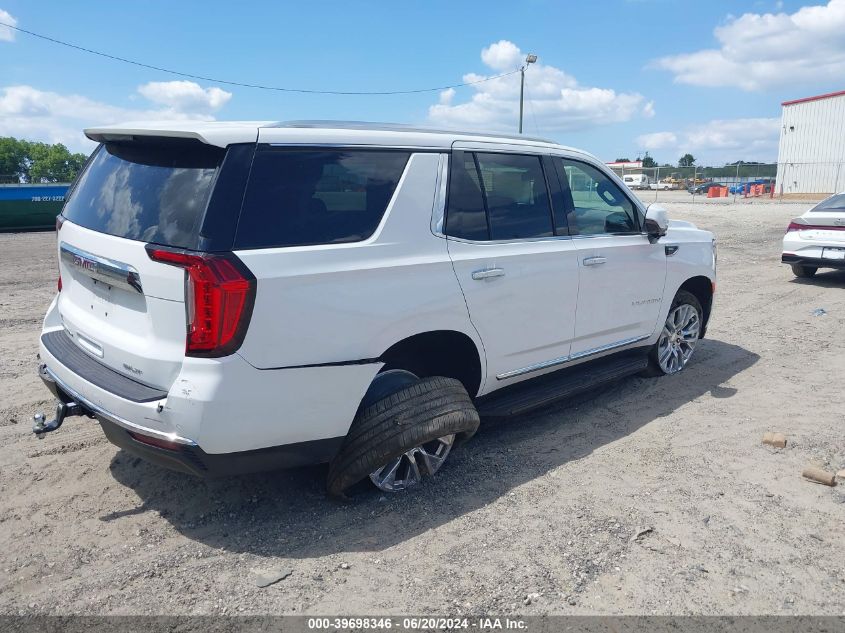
[152, 193]
[595, 205]
[516, 194]
[299, 197]
[834, 203]
[465, 215]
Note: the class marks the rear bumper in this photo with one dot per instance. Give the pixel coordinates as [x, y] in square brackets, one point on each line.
[193, 460]
[812, 262]
[231, 416]
[66, 393]
[174, 452]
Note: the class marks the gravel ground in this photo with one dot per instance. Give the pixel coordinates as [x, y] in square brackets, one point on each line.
[537, 515]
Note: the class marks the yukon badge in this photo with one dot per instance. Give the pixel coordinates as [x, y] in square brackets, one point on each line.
[642, 302]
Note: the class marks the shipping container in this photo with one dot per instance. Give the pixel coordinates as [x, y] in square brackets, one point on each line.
[24, 207]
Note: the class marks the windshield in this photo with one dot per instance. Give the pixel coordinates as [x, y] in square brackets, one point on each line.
[150, 193]
[834, 203]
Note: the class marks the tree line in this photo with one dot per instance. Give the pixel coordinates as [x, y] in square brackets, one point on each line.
[746, 167]
[687, 160]
[34, 162]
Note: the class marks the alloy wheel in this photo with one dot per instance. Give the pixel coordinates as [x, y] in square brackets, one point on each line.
[678, 339]
[408, 469]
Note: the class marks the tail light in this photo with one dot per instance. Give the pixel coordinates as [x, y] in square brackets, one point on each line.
[59, 221]
[219, 295]
[795, 226]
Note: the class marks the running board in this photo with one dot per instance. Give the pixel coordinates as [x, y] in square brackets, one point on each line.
[561, 384]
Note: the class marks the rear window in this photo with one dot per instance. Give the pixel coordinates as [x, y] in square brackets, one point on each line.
[297, 197]
[834, 203]
[146, 192]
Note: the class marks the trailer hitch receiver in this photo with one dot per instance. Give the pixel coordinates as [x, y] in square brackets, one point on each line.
[40, 426]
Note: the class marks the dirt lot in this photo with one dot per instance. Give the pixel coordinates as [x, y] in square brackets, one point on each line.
[533, 516]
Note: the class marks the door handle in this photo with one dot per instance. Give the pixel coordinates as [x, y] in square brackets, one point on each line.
[488, 273]
[594, 261]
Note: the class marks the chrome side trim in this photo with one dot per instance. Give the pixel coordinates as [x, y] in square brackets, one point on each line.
[108, 271]
[565, 359]
[111, 417]
[549, 238]
[609, 346]
[524, 240]
[382, 146]
[530, 368]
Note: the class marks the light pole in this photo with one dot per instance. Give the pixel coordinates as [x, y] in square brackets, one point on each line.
[530, 59]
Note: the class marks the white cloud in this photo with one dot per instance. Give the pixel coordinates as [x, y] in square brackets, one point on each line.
[719, 141]
[658, 140]
[502, 56]
[759, 51]
[185, 95]
[33, 114]
[7, 34]
[554, 99]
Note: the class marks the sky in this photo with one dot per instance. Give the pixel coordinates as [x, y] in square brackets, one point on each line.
[614, 77]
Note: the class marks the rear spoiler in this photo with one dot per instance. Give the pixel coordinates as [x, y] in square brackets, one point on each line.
[218, 133]
[128, 135]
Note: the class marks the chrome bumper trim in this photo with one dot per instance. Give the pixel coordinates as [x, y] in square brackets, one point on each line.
[111, 417]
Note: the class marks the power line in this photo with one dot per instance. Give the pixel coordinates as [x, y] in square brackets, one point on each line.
[248, 85]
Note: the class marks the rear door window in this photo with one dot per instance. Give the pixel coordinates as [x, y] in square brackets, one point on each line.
[517, 197]
[497, 197]
[298, 197]
[466, 217]
[146, 192]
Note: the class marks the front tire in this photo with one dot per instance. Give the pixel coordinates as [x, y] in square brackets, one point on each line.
[805, 272]
[678, 338]
[406, 435]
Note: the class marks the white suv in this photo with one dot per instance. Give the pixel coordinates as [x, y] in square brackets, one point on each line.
[239, 297]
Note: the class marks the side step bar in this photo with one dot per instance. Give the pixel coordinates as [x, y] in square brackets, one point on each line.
[559, 385]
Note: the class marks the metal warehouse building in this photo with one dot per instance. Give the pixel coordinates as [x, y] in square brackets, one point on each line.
[811, 154]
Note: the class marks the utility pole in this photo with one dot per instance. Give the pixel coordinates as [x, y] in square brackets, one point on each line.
[530, 59]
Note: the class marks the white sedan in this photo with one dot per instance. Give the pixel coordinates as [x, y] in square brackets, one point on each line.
[816, 239]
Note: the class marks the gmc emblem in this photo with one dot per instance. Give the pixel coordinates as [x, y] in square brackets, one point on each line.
[85, 264]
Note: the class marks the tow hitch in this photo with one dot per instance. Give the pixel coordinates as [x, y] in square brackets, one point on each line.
[63, 410]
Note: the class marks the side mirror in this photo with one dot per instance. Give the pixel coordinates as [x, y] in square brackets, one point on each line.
[656, 222]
